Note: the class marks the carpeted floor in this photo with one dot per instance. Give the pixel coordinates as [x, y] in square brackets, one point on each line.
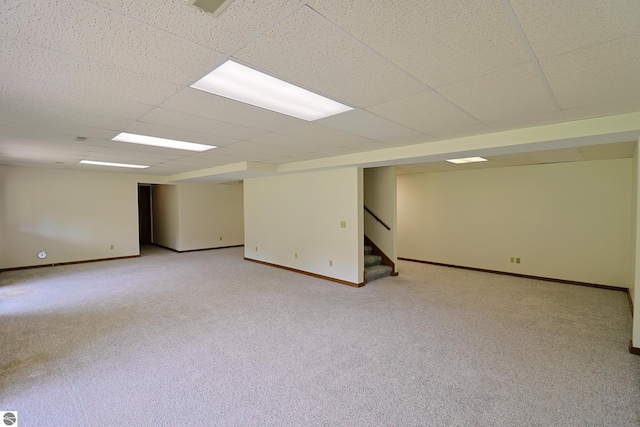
[207, 339]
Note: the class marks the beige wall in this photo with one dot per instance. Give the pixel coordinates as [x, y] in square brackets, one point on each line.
[634, 289]
[72, 215]
[77, 215]
[380, 196]
[302, 213]
[568, 221]
[210, 216]
[165, 216]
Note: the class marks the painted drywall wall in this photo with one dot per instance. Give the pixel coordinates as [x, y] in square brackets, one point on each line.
[302, 214]
[634, 289]
[568, 221]
[165, 216]
[380, 196]
[72, 215]
[210, 216]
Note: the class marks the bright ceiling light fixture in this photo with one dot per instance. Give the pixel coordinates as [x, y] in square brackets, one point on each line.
[161, 142]
[118, 165]
[467, 160]
[244, 84]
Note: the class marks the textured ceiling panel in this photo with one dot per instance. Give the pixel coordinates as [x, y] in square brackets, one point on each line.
[439, 42]
[81, 29]
[94, 68]
[154, 153]
[460, 132]
[528, 120]
[425, 111]
[326, 135]
[325, 60]
[553, 26]
[177, 134]
[599, 110]
[49, 135]
[35, 63]
[15, 89]
[368, 125]
[198, 103]
[178, 120]
[595, 75]
[221, 33]
[288, 142]
[502, 95]
[32, 115]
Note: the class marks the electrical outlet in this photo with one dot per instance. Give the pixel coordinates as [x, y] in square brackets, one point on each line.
[513, 260]
[296, 255]
[220, 238]
[330, 263]
[517, 260]
[343, 224]
[111, 247]
[256, 249]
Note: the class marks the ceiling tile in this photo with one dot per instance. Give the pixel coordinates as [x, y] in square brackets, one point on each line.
[177, 134]
[553, 27]
[368, 125]
[86, 31]
[461, 132]
[34, 134]
[595, 75]
[439, 42]
[599, 110]
[57, 119]
[39, 64]
[289, 142]
[178, 120]
[327, 135]
[14, 89]
[199, 103]
[312, 53]
[526, 121]
[426, 111]
[506, 94]
[221, 33]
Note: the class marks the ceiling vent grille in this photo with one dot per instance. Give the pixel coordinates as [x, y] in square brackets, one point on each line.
[214, 7]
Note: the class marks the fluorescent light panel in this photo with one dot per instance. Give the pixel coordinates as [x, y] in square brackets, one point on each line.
[119, 165]
[244, 84]
[467, 160]
[161, 142]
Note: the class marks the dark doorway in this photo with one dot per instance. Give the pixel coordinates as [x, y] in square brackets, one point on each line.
[144, 214]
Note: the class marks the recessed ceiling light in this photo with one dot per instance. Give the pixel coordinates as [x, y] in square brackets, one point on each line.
[161, 142]
[467, 160]
[244, 84]
[119, 165]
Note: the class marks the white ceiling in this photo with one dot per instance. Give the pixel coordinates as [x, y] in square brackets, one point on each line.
[415, 71]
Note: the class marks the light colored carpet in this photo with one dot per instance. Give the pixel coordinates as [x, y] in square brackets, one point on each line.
[205, 338]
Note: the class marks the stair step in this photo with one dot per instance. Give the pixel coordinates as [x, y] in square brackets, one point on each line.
[367, 250]
[376, 272]
[371, 260]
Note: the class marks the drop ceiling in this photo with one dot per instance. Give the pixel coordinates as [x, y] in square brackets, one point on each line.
[416, 73]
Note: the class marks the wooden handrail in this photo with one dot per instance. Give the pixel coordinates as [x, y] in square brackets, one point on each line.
[377, 219]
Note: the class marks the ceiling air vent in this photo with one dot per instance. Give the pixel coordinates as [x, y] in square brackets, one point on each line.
[81, 138]
[214, 7]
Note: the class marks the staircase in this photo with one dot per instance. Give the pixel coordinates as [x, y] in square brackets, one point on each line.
[373, 269]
